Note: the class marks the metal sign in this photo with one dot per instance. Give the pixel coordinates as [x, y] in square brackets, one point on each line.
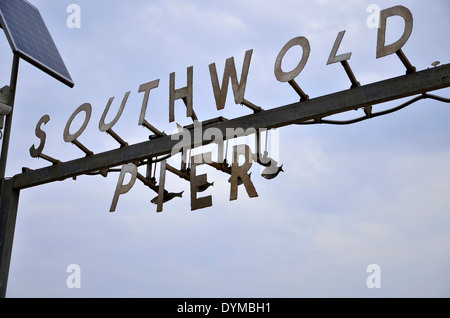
[154, 152]
[203, 132]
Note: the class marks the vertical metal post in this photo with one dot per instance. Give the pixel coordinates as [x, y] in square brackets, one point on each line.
[9, 197]
[9, 201]
[8, 122]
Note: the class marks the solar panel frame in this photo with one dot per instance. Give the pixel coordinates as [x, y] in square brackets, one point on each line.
[30, 39]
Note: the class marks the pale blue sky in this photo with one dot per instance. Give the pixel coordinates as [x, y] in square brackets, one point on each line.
[371, 193]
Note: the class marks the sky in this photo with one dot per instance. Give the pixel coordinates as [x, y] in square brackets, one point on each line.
[375, 192]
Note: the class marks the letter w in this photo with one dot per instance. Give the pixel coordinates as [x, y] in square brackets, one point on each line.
[220, 93]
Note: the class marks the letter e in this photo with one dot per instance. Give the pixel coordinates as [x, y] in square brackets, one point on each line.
[35, 152]
[124, 188]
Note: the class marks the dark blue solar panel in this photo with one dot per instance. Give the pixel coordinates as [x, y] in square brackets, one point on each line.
[30, 39]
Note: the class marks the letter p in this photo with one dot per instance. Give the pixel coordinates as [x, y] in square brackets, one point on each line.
[124, 188]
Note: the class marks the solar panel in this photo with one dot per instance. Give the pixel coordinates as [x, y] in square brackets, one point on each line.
[30, 39]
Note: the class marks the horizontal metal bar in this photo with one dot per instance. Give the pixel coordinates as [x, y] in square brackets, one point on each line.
[371, 94]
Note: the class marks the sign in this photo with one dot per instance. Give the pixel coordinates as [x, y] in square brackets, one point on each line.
[239, 172]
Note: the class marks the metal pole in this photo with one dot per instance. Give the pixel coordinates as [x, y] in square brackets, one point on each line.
[8, 122]
[9, 201]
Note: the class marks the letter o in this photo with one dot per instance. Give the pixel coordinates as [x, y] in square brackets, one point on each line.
[288, 76]
[87, 108]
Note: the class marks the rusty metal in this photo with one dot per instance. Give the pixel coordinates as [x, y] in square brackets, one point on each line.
[82, 147]
[48, 158]
[180, 173]
[117, 138]
[409, 68]
[153, 129]
[251, 105]
[149, 182]
[350, 74]
[298, 90]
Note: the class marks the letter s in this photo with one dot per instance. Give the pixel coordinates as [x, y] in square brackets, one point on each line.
[35, 152]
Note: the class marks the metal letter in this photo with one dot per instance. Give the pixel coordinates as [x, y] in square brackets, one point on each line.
[87, 108]
[35, 152]
[147, 87]
[333, 58]
[184, 93]
[343, 59]
[199, 181]
[220, 93]
[121, 188]
[288, 76]
[104, 127]
[241, 172]
[382, 48]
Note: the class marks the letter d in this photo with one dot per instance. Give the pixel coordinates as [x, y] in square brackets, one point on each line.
[382, 48]
[225, 307]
